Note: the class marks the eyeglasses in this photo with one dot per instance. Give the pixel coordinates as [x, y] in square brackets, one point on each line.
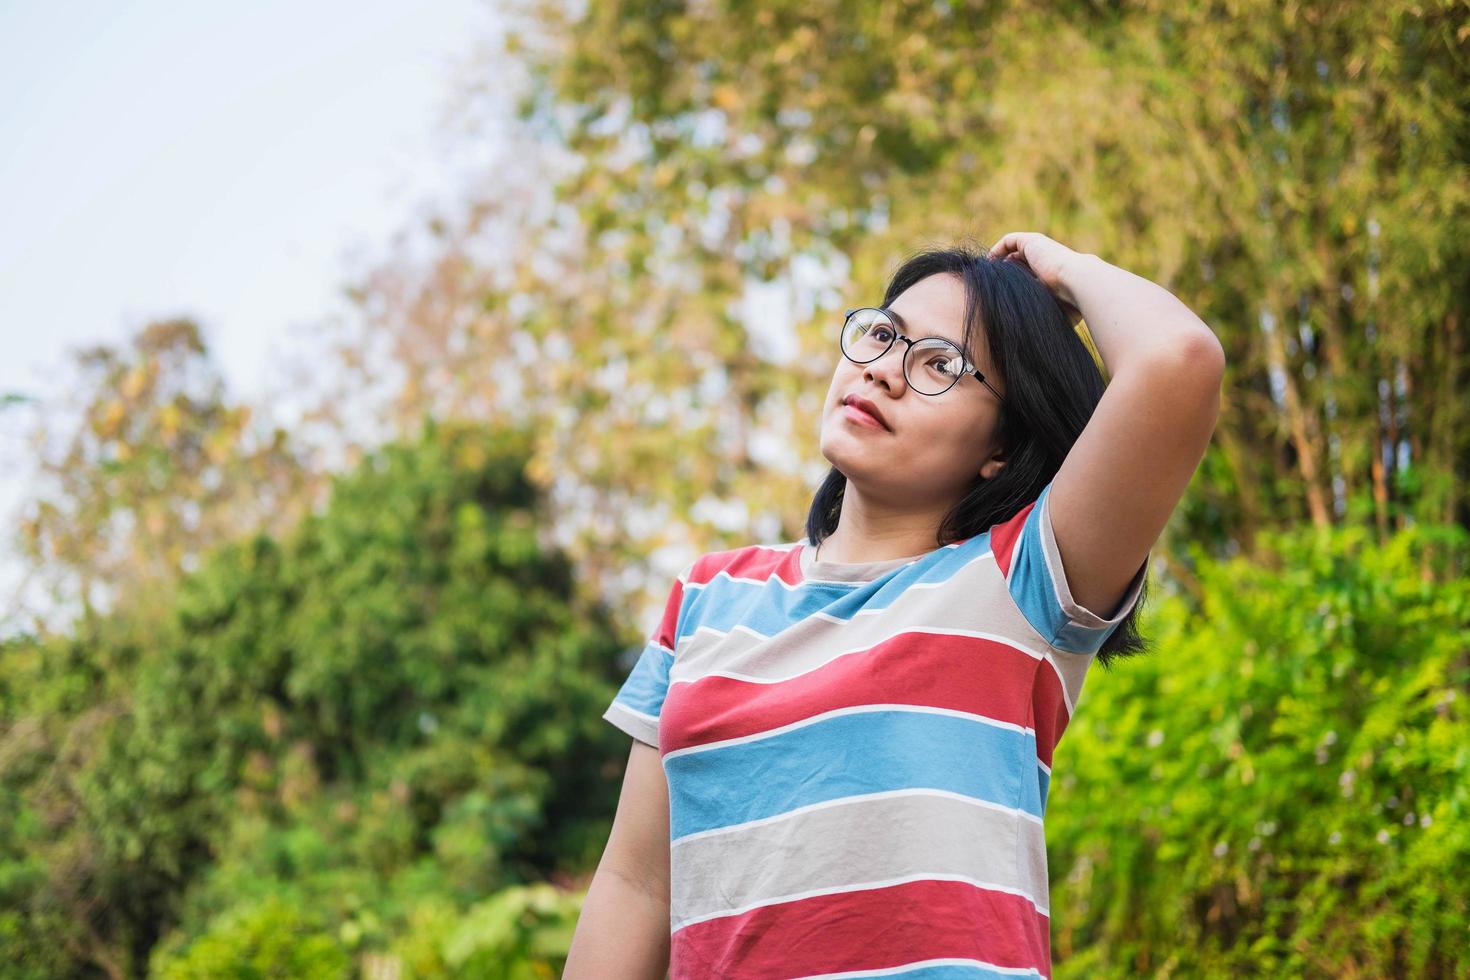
[868, 333]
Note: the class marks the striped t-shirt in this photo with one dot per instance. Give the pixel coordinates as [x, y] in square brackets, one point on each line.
[858, 755]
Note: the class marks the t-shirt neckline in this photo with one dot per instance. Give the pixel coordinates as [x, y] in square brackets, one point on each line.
[861, 571]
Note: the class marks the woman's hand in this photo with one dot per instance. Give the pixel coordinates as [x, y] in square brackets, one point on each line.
[1046, 259]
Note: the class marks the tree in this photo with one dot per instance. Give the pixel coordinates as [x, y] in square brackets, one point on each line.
[148, 468]
[398, 701]
[1296, 173]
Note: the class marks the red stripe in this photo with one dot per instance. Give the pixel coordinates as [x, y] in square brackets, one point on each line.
[872, 929]
[750, 562]
[964, 673]
[1050, 712]
[665, 632]
[1003, 538]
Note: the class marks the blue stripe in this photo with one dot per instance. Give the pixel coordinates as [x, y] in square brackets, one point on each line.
[1033, 791]
[847, 755]
[1029, 581]
[952, 972]
[772, 606]
[1030, 584]
[648, 681]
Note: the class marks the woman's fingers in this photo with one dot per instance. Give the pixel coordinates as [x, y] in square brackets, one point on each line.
[1012, 248]
[1011, 243]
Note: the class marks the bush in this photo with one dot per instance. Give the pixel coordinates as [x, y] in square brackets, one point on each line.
[269, 940]
[400, 702]
[1282, 789]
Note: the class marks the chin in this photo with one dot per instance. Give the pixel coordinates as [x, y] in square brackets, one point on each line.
[848, 458]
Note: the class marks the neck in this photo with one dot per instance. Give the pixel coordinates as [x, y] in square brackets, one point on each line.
[869, 531]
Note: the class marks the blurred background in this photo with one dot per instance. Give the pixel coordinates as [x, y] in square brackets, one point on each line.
[370, 370]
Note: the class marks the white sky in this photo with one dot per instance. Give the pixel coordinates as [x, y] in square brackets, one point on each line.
[229, 162]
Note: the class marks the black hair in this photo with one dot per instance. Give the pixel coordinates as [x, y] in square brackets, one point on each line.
[1052, 385]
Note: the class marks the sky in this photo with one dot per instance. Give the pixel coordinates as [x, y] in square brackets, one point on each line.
[233, 163]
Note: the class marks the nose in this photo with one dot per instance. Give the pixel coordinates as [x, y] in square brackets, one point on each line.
[888, 369]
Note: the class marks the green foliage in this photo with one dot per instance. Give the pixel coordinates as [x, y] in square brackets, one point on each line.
[263, 942]
[367, 748]
[1296, 173]
[1282, 790]
[361, 747]
[400, 701]
[29, 948]
[522, 933]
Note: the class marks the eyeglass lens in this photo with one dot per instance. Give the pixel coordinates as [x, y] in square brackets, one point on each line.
[931, 366]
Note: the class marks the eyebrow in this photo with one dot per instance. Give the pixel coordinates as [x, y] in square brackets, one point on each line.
[904, 325]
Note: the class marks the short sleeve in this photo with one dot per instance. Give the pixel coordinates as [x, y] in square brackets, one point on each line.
[640, 700]
[1025, 548]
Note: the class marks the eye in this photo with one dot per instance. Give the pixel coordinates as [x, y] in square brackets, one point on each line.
[941, 360]
[945, 365]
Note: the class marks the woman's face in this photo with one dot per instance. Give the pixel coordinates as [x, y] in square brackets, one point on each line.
[931, 447]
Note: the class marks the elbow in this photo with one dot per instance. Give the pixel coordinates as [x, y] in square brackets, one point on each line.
[1191, 372]
[1198, 357]
[1210, 353]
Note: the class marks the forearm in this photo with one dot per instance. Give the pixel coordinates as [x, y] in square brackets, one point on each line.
[1132, 320]
[622, 933]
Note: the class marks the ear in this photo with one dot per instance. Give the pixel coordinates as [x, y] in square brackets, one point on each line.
[991, 468]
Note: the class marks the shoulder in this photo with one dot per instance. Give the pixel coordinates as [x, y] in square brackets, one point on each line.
[1027, 555]
[1006, 535]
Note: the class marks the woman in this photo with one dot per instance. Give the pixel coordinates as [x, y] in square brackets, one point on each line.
[843, 744]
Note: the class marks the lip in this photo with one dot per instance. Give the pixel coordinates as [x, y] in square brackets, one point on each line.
[865, 411]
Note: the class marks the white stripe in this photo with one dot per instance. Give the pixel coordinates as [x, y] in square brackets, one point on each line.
[843, 800]
[860, 887]
[651, 719]
[1061, 682]
[901, 631]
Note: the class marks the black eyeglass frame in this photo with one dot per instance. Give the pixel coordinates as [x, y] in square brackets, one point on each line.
[894, 319]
